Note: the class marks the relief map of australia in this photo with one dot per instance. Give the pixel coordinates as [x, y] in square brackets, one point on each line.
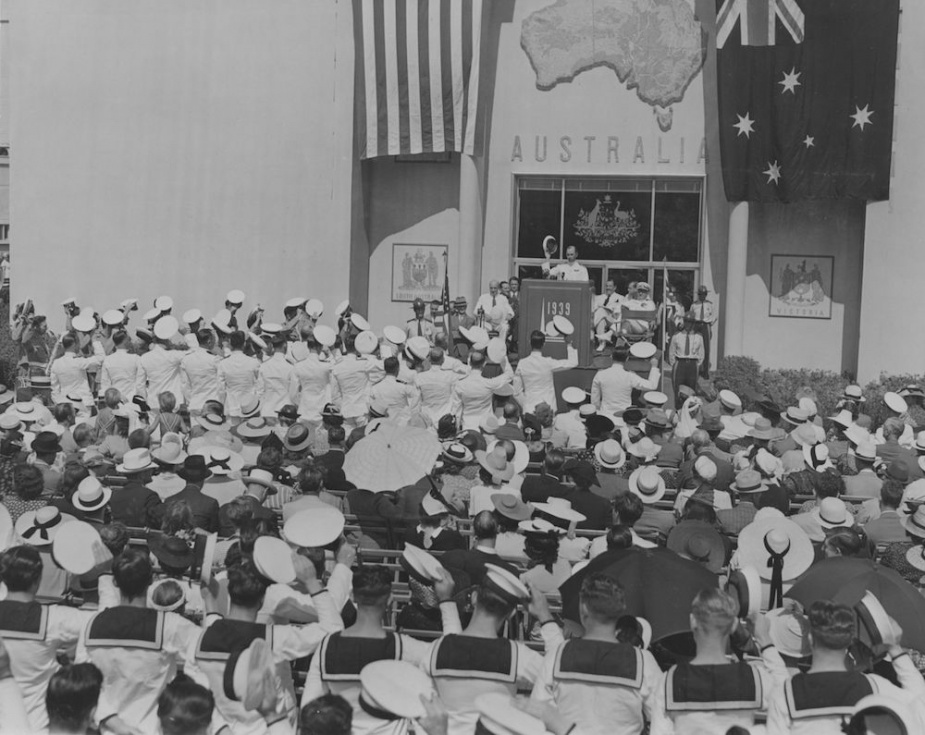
[655, 46]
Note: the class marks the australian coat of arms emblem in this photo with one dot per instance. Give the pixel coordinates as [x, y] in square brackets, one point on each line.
[607, 225]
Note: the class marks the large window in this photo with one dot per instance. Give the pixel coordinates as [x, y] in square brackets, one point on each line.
[626, 229]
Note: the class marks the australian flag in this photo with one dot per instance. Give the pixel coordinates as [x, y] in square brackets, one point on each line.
[806, 92]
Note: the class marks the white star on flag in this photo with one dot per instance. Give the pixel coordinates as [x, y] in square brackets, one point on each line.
[809, 141]
[745, 126]
[861, 117]
[791, 81]
[773, 172]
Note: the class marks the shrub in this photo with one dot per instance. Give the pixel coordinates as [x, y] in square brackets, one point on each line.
[749, 381]
[8, 352]
[741, 375]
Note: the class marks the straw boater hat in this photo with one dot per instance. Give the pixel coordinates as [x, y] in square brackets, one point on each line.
[135, 460]
[795, 416]
[540, 527]
[610, 454]
[648, 484]
[771, 532]
[749, 481]
[213, 422]
[297, 438]
[457, 453]
[873, 620]
[559, 510]
[91, 495]
[254, 428]
[832, 513]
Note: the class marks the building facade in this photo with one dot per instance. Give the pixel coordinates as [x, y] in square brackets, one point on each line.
[212, 146]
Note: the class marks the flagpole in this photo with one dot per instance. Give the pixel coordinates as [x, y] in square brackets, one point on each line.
[446, 298]
[664, 319]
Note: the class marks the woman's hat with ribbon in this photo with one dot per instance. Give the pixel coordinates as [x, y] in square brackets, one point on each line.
[39, 527]
[777, 548]
[220, 460]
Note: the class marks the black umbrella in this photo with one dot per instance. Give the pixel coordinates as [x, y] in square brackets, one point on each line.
[659, 586]
[846, 579]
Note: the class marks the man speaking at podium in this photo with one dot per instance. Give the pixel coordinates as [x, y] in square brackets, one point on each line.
[571, 270]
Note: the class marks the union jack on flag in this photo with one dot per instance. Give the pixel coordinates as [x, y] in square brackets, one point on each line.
[758, 20]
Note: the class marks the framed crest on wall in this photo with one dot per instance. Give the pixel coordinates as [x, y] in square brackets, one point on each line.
[418, 272]
[801, 286]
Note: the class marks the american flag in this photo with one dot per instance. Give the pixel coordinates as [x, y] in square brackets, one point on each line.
[417, 75]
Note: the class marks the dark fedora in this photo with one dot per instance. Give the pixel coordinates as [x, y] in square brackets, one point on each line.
[657, 419]
[171, 551]
[331, 415]
[194, 469]
[46, 442]
[288, 412]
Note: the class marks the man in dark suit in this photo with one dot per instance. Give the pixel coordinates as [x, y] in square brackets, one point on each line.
[701, 445]
[252, 501]
[473, 561]
[205, 509]
[892, 450]
[888, 528]
[333, 459]
[538, 488]
[134, 504]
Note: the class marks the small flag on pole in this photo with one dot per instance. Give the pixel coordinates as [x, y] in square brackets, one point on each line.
[445, 296]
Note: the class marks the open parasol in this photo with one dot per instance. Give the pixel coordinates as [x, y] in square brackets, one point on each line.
[391, 457]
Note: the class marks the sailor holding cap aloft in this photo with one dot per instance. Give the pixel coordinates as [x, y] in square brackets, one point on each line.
[815, 702]
[477, 661]
[342, 656]
[200, 372]
[247, 585]
[69, 372]
[401, 399]
[275, 379]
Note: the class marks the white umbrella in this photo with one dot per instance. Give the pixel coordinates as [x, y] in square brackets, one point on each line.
[391, 457]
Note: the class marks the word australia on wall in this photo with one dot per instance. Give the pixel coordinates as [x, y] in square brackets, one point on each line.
[608, 149]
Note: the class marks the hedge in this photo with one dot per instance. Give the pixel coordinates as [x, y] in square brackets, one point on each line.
[751, 382]
[8, 352]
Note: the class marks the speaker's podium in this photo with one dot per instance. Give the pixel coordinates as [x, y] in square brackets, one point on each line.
[540, 301]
